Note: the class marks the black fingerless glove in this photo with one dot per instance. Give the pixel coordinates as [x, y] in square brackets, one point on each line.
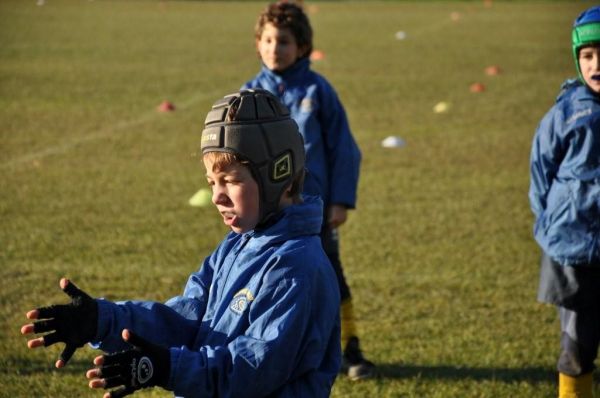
[74, 324]
[145, 365]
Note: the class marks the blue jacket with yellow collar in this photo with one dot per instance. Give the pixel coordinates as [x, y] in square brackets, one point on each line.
[259, 319]
[332, 156]
[565, 177]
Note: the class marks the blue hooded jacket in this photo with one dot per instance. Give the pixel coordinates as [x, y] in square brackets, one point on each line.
[565, 177]
[332, 156]
[259, 319]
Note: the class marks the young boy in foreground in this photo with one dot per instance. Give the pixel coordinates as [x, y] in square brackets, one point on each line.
[259, 318]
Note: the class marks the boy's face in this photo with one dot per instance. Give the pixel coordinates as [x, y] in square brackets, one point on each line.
[235, 193]
[278, 48]
[589, 63]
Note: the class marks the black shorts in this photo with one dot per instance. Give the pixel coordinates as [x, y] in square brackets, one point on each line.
[331, 246]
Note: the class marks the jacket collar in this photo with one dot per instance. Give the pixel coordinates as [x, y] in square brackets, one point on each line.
[577, 90]
[294, 72]
[294, 221]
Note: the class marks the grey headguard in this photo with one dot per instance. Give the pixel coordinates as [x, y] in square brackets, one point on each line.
[257, 127]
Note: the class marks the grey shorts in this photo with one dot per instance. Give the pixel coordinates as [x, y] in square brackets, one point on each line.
[576, 292]
[573, 287]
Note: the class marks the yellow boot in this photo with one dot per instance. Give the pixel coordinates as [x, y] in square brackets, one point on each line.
[575, 387]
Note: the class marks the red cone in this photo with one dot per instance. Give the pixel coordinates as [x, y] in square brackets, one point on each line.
[477, 88]
[166, 106]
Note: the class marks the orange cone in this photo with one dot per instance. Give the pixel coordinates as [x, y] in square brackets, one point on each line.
[166, 106]
[477, 88]
[492, 70]
[317, 55]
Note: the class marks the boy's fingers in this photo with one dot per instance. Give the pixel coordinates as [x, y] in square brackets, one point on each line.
[45, 312]
[63, 283]
[99, 360]
[110, 382]
[39, 342]
[27, 329]
[111, 371]
[70, 288]
[44, 326]
[33, 314]
[93, 373]
[113, 359]
[67, 353]
[50, 339]
[134, 339]
[96, 383]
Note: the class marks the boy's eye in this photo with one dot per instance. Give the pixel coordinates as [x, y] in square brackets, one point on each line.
[587, 54]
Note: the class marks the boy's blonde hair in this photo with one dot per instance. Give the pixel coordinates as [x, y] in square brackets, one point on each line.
[222, 160]
[284, 14]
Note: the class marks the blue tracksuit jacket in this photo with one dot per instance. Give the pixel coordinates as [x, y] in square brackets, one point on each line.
[259, 319]
[565, 177]
[332, 156]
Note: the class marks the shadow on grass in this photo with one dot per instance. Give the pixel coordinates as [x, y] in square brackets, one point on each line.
[508, 375]
[25, 367]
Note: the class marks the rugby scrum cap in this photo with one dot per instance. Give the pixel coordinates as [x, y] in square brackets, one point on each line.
[255, 126]
[586, 31]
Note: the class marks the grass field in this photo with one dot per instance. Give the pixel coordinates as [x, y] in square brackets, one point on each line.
[439, 254]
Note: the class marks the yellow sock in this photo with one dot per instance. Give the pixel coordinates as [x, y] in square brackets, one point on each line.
[347, 318]
[575, 387]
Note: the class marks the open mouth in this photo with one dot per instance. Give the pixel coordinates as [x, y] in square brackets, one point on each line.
[596, 78]
[228, 217]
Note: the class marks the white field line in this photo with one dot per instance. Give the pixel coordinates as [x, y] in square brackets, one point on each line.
[69, 144]
[93, 136]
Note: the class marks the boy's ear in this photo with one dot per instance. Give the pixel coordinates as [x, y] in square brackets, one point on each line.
[256, 41]
[286, 198]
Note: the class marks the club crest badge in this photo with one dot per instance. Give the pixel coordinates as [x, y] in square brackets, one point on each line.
[240, 301]
[306, 105]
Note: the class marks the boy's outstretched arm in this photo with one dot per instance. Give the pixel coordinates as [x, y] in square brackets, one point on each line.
[73, 324]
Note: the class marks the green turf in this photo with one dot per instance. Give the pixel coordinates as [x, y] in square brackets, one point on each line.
[439, 254]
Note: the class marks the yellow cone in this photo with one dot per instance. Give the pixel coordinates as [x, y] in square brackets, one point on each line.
[201, 198]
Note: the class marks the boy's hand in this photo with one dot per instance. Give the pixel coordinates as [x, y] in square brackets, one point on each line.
[336, 215]
[73, 324]
[145, 365]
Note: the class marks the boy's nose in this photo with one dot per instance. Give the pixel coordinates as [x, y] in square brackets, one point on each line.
[218, 196]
